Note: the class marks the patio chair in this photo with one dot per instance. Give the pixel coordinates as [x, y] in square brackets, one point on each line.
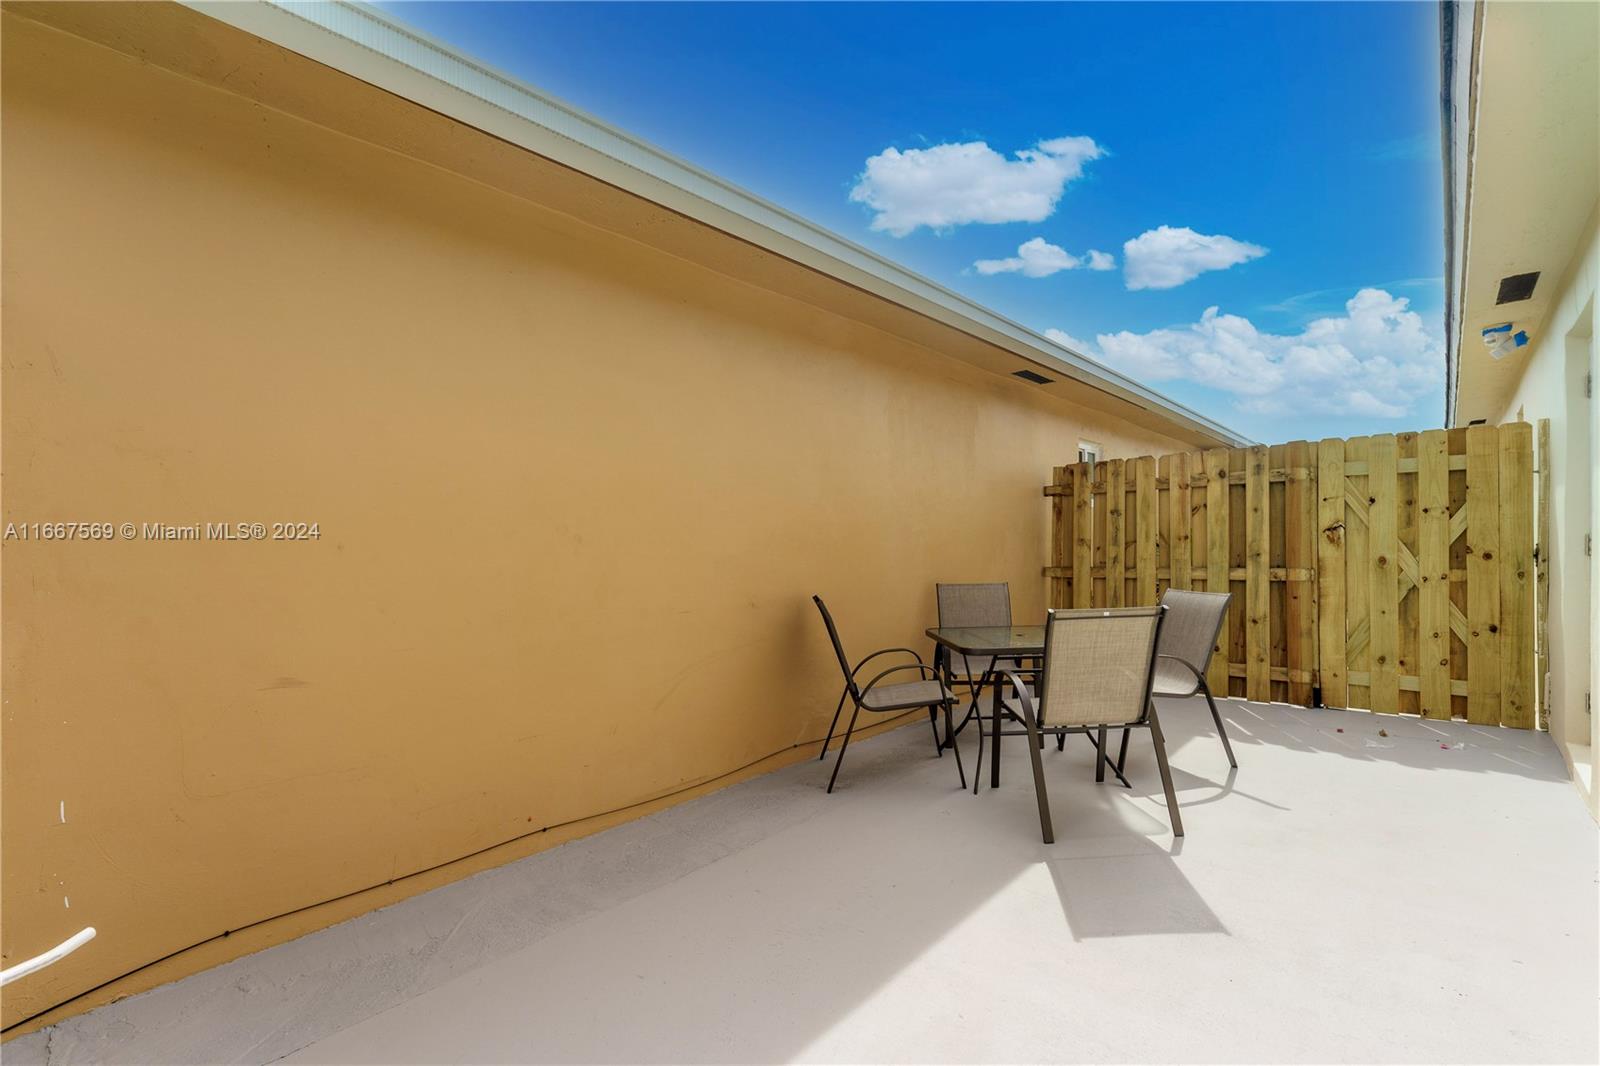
[1099, 669]
[1188, 638]
[978, 604]
[878, 698]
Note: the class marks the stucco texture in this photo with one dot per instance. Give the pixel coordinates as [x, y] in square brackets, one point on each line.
[573, 496]
[1553, 386]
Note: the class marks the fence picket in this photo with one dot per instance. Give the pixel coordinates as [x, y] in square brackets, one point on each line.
[1332, 672]
[1357, 590]
[1516, 575]
[1483, 585]
[1383, 548]
[1277, 573]
[1060, 537]
[1145, 503]
[1180, 522]
[1083, 537]
[1258, 604]
[1406, 570]
[1100, 588]
[1299, 557]
[1433, 572]
[1116, 538]
[1216, 468]
[1458, 565]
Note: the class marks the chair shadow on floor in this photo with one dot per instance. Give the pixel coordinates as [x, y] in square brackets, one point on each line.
[1138, 892]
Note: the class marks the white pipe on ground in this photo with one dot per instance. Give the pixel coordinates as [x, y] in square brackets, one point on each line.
[55, 954]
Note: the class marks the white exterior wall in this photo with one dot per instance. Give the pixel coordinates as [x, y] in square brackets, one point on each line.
[1552, 387]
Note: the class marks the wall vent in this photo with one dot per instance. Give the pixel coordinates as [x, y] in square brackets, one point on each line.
[1517, 287]
[1028, 375]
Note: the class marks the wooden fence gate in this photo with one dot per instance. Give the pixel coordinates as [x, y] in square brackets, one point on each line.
[1394, 573]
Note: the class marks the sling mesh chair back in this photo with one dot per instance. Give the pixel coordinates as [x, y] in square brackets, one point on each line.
[1097, 666]
[1098, 669]
[879, 696]
[1188, 638]
[971, 605]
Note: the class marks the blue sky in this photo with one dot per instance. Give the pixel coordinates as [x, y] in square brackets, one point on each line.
[1276, 162]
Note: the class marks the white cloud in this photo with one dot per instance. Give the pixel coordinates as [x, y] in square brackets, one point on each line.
[953, 184]
[1067, 340]
[1376, 359]
[1039, 258]
[1168, 256]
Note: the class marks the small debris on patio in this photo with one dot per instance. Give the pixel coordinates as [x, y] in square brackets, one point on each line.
[1383, 732]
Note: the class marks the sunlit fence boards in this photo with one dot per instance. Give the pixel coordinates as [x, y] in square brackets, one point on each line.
[1392, 572]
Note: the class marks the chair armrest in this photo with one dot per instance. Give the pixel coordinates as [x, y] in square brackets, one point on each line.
[1199, 674]
[1010, 677]
[1030, 717]
[926, 670]
[885, 651]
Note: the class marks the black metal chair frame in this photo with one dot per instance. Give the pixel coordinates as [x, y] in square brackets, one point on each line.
[1205, 690]
[1216, 716]
[974, 685]
[1202, 689]
[1026, 665]
[858, 693]
[1036, 731]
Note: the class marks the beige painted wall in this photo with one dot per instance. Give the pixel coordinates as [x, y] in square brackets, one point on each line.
[1552, 387]
[1534, 172]
[573, 496]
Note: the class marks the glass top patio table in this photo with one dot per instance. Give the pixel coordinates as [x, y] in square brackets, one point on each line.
[992, 642]
[1003, 641]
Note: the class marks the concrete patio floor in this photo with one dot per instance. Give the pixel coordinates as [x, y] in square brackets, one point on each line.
[1429, 895]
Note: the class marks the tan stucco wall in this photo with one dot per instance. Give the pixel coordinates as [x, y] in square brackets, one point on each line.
[1552, 386]
[1534, 175]
[573, 497]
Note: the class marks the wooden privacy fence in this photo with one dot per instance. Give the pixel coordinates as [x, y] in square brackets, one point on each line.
[1394, 573]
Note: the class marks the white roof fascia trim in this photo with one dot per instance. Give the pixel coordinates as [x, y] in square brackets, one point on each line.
[361, 41]
[1460, 91]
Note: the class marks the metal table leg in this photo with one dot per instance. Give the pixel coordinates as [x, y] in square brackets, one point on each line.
[994, 746]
